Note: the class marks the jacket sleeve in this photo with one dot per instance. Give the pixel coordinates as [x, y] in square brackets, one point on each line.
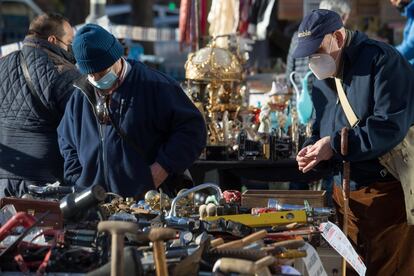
[67, 145]
[406, 48]
[392, 94]
[187, 130]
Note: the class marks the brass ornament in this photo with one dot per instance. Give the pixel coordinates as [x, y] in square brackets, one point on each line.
[212, 64]
[156, 200]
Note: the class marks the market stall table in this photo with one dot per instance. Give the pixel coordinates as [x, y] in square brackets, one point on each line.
[230, 172]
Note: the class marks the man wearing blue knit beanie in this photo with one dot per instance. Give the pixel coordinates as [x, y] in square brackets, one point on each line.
[127, 127]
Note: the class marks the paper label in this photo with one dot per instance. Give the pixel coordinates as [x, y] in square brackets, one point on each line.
[337, 239]
[313, 262]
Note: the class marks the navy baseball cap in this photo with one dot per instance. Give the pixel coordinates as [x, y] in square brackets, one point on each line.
[313, 29]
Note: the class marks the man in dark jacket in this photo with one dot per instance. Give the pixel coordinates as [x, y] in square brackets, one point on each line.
[379, 86]
[127, 127]
[301, 68]
[29, 152]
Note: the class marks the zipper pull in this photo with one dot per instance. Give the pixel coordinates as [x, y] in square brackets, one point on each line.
[121, 109]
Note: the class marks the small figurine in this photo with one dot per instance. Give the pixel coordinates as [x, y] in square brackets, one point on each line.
[275, 113]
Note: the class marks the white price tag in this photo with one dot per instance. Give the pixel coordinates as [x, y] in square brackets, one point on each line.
[313, 262]
[337, 239]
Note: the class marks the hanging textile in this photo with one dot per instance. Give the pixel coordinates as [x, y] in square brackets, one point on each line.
[223, 19]
[260, 14]
[245, 6]
[193, 25]
[262, 25]
[185, 25]
[183, 20]
[203, 18]
[189, 23]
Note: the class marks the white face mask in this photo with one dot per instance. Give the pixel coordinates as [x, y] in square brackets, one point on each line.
[322, 65]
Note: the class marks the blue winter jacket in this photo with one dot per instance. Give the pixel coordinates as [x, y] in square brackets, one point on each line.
[28, 140]
[379, 84]
[406, 48]
[153, 111]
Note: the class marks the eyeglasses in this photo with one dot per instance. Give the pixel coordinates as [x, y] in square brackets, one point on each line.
[66, 44]
[102, 110]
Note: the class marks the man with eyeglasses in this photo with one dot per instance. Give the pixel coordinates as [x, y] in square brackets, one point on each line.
[127, 127]
[367, 86]
[35, 85]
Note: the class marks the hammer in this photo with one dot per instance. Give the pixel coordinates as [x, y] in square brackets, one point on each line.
[245, 241]
[345, 186]
[157, 236]
[117, 229]
[258, 268]
[216, 242]
[287, 244]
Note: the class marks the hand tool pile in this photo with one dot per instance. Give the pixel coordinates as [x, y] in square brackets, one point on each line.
[202, 231]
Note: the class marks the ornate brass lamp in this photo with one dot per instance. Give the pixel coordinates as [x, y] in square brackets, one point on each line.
[217, 74]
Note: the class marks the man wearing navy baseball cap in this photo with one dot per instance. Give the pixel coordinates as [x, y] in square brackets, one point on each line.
[367, 86]
[315, 27]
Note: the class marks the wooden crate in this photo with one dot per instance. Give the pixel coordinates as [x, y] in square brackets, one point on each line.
[259, 198]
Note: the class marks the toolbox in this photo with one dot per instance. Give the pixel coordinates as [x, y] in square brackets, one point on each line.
[259, 198]
[37, 208]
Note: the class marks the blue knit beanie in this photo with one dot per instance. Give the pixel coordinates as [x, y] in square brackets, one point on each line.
[95, 49]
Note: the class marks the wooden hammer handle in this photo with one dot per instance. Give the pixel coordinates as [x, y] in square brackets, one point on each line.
[216, 242]
[161, 234]
[289, 244]
[245, 241]
[254, 237]
[232, 244]
[345, 186]
[344, 141]
[117, 227]
[228, 265]
[117, 230]
[346, 165]
[160, 261]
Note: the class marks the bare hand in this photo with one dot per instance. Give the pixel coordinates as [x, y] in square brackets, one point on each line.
[158, 174]
[301, 158]
[318, 152]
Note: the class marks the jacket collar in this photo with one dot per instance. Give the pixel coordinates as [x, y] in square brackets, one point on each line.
[353, 49]
[32, 41]
[87, 89]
